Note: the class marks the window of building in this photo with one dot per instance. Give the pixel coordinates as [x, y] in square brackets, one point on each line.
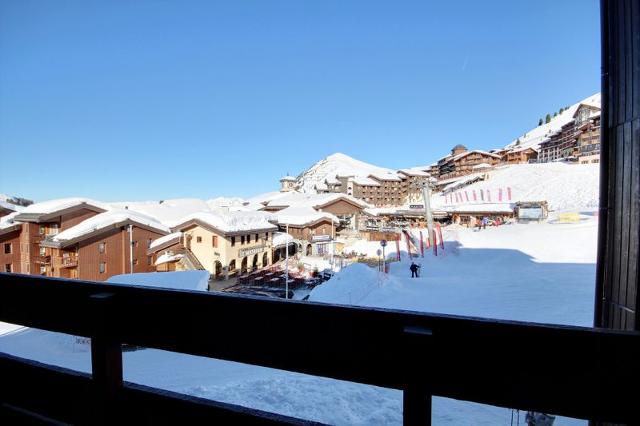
[43, 270]
[7, 248]
[233, 241]
[7, 267]
[102, 268]
[266, 236]
[149, 259]
[256, 238]
[214, 241]
[135, 261]
[41, 230]
[149, 243]
[198, 239]
[242, 240]
[53, 229]
[102, 247]
[43, 251]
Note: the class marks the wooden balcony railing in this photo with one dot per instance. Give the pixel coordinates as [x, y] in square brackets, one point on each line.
[69, 262]
[571, 371]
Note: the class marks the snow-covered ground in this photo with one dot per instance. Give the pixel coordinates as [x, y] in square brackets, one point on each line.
[564, 186]
[537, 272]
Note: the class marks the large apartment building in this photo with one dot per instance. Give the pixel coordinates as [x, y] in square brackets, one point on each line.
[579, 139]
[462, 162]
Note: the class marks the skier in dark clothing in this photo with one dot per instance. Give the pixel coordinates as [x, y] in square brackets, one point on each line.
[414, 270]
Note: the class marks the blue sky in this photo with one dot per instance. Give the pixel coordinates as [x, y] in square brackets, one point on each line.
[125, 100]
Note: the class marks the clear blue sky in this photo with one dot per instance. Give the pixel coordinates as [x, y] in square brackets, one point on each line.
[123, 100]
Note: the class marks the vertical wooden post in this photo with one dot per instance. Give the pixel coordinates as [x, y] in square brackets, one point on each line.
[106, 361]
[416, 397]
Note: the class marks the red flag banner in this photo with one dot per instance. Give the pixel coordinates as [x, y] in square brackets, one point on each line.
[435, 243]
[509, 193]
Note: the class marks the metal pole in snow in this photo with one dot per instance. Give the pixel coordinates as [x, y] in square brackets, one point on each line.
[286, 265]
[426, 196]
[130, 249]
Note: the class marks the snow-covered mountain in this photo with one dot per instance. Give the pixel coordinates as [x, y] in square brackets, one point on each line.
[336, 164]
[533, 137]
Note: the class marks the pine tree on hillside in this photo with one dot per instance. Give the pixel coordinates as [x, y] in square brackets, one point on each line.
[561, 111]
[555, 114]
[540, 122]
[547, 119]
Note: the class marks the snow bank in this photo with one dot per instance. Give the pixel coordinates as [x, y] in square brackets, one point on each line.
[106, 220]
[182, 280]
[166, 258]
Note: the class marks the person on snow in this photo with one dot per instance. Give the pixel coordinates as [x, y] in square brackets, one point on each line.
[485, 220]
[414, 270]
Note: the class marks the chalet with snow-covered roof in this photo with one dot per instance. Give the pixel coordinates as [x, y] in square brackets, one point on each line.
[461, 161]
[226, 244]
[46, 219]
[110, 243]
[313, 231]
[519, 156]
[345, 207]
[578, 138]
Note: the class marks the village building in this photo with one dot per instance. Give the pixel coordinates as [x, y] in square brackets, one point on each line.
[519, 156]
[579, 137]
[287, 184]
[313, 231]
[345, 207]
[225, 244]
[10, 230]
[461, 162]
[413, 180]
[588, 143]
[47, 219]
[110, 243]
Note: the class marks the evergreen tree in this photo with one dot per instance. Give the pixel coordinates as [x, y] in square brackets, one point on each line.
[561, 111]
[555, 114]
[547, 119]
[540, 122]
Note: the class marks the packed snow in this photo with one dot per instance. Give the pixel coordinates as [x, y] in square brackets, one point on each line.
[280, 239]
[181, 280]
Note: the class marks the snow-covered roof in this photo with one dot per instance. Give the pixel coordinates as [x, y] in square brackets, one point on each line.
[108, 220]
[166, 258]
[392, 176]
[288, 178]
[302, 215]
[182, 280]
[231, 222]
[9, 206]
[167, 212]
[415, 172]
[294, 199]
[280, 239]
[8, 224]
[53, 206]
[321, 187]
[361, 180]
[159, 241]
[268, 196]
[475, 151]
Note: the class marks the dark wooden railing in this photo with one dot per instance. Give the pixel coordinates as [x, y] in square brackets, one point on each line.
[562, 370]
